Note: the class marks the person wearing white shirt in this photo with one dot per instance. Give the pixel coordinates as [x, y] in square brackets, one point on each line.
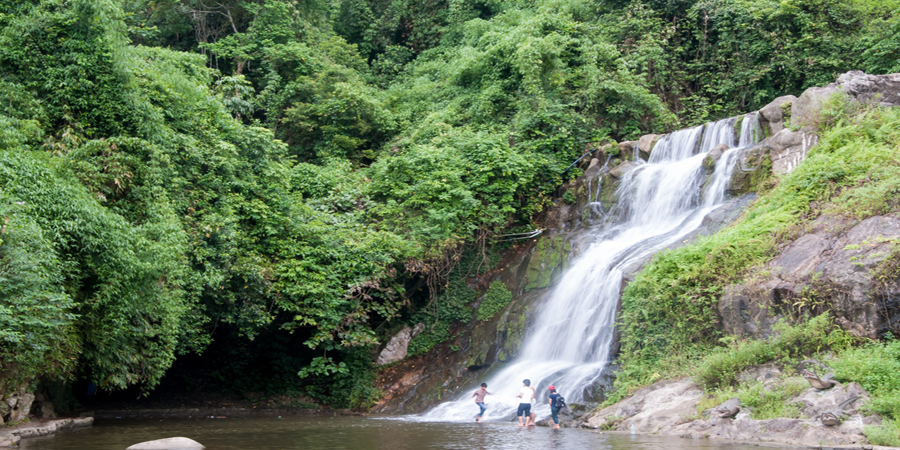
[526, 393]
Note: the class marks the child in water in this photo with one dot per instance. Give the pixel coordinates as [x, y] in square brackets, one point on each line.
[479, 400]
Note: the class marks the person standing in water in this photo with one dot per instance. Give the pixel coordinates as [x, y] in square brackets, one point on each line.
[479, 400]
[554, 406]
[526, 393]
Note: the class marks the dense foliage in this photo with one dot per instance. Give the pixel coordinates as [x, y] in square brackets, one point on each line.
[181, 174]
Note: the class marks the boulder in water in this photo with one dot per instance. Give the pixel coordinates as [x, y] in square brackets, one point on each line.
[173, 443]
[709, 163]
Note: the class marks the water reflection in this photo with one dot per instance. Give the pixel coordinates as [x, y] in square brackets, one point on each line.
[355, 433]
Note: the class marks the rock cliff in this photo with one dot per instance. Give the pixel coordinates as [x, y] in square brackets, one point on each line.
[830, 259]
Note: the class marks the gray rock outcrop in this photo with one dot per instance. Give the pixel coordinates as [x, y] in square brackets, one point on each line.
[670, 408]
[18, 406]
[621, 169]
[646, 143]
[832, 259]
[397, 348]
[174, 443]
[791, 122]
[773, 116]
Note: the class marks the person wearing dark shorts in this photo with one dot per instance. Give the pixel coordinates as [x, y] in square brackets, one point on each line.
[526, 394]
[479, 400]
[554, 406]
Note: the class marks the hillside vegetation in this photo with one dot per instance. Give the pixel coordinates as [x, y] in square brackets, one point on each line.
[273, 185]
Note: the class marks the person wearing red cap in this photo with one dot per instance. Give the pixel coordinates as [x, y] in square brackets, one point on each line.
[554, 406]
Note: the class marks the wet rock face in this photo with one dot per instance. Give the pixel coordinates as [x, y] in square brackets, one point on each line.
[830, 264]
[621, 169]
[646, 143]
[709, 164]
[547, 262]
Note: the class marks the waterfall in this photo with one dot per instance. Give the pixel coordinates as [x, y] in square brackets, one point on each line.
[569, 343]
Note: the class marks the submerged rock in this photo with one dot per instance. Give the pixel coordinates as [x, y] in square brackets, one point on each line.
[173, 443]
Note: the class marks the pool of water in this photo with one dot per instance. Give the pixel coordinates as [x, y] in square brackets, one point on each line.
[354, 433]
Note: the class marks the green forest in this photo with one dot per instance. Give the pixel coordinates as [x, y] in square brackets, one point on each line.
[277, 184]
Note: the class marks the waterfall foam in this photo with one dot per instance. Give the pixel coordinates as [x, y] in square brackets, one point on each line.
[569, 343]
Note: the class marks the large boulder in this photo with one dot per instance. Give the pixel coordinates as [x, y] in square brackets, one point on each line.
[753, 166]
[865, 88]
[646, 143]
[173, 443]
[626, 148]
[829, 266]
[709, 162]
[859, 87]
[397, 348]
[621, 169]
[650, 409]
[20, 406]
[791, 122]
[773, 116]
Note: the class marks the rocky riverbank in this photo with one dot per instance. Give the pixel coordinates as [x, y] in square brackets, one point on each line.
[10, 437]
[830, 417]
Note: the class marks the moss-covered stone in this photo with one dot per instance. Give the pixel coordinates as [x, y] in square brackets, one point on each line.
[513, 329]
[754, 169]
[548, 261]
[608, 190]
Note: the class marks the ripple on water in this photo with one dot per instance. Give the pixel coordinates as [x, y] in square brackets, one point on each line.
[354, 433]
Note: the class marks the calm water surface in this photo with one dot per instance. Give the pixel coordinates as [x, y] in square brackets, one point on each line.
[353, 433]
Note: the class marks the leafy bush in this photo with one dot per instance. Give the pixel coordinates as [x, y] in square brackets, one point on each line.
[876, 367]
[352, 388]
[723, 364]
[433, 335]
[887, 434]
[496, 298]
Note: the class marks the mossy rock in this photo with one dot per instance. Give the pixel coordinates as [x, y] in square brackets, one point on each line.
[754, 169]
[548, 261]
[514, 330]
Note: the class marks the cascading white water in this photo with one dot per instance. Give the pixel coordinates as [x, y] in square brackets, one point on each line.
[658, 203]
